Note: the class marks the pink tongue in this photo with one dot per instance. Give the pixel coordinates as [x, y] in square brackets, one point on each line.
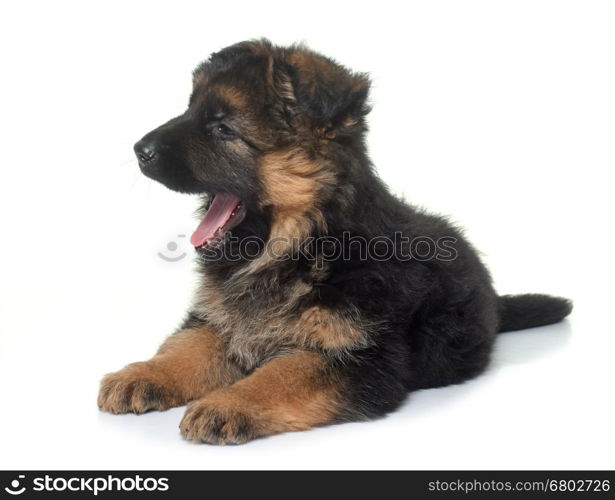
[218, 214]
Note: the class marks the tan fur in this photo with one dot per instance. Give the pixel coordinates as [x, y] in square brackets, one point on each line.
[292, 183]
[330, 330]
[252, 335]
[290, 393]
[233, 97]
[189, 364]
[278, 326]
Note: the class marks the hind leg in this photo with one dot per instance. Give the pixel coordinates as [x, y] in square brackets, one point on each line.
[452, 348]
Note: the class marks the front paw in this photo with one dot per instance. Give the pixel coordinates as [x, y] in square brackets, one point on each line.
[135, 389]
[213, 422]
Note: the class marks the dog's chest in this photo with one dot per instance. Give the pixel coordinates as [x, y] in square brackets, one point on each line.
[255, 325]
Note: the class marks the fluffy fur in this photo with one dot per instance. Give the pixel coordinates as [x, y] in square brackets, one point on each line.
[280, 344]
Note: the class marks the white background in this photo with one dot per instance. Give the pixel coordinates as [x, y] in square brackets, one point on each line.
[500, 114]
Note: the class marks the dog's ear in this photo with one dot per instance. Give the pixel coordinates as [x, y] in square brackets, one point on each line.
[332, 98]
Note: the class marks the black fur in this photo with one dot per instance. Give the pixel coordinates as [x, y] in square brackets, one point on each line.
[518, 312]
[433, 322]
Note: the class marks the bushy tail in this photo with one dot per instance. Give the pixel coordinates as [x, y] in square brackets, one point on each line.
[518, 312]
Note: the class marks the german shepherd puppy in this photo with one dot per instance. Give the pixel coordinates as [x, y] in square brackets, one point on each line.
[323, 297]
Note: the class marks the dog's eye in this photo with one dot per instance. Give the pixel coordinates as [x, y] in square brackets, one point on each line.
[224, 131]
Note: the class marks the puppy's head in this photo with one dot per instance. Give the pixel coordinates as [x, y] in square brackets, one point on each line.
[261, 128]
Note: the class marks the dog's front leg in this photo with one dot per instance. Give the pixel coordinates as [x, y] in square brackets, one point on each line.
[188, 365]
[294, 392]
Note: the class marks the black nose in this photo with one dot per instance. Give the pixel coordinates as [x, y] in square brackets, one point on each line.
[146, 152]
